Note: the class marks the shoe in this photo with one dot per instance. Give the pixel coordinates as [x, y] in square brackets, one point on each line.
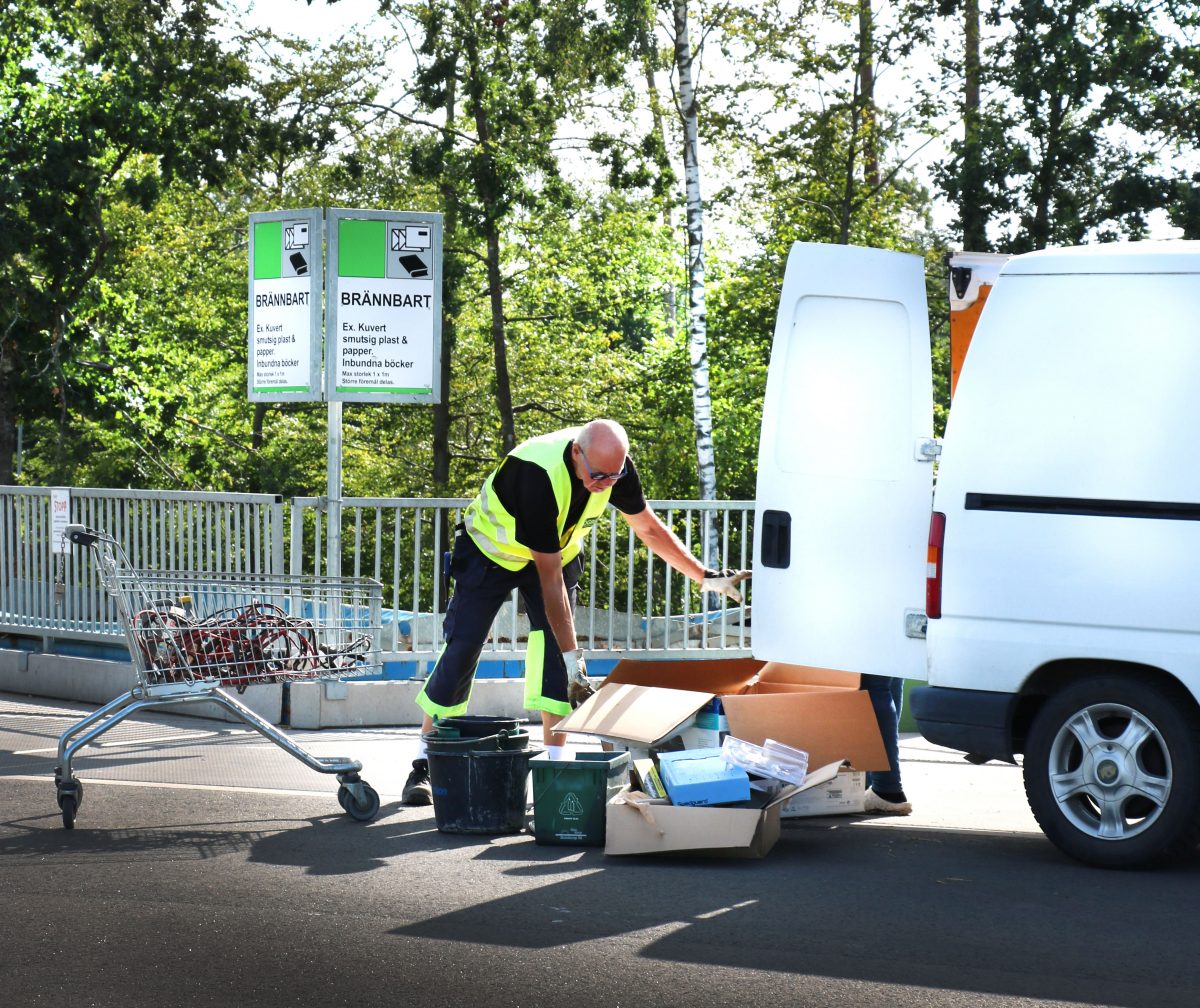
[881, 806]
[416, 789]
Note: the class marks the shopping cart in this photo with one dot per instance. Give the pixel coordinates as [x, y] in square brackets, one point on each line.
[192, 636]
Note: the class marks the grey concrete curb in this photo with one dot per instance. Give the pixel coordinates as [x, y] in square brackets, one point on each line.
[312, 704]
[91, 680]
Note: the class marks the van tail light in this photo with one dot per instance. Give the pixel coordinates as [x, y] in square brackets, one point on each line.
[933, 565]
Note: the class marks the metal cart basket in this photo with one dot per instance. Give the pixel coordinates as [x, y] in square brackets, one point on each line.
[193, 635]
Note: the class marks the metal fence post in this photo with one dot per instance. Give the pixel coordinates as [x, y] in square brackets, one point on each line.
[276, 516]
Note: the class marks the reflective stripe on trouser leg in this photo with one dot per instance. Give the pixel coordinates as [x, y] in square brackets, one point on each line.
[535, 656]
[545, 670]
[432, 707]
[538, 662]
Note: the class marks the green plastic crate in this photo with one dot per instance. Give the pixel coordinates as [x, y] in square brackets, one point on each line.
[570, 797]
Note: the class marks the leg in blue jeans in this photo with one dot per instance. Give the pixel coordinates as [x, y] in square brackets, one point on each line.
[887, 699]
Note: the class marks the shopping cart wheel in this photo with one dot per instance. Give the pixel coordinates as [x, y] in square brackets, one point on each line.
[363, 809]
[70, 800]
[74, 784]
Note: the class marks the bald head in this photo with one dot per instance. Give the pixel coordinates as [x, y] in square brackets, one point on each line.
[603, 436]
[601, 447]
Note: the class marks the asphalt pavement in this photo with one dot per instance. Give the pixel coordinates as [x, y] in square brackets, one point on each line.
[208, 866]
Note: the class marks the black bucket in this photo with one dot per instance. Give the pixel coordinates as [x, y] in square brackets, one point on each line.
[480, 791]
[510, 740]
[474, 726]
[438, 741]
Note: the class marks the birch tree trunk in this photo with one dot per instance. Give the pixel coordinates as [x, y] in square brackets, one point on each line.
[450, 305]
[706, 469]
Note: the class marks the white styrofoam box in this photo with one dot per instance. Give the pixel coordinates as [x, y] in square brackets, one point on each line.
[844, 795]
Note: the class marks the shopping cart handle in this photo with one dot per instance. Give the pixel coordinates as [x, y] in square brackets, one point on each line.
[81, 535]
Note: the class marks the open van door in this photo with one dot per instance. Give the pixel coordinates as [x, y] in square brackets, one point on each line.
[845, 465]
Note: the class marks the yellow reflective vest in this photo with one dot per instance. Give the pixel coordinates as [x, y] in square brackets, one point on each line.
[493, 529]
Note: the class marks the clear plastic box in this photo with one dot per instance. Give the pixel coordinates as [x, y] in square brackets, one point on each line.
[771, 759]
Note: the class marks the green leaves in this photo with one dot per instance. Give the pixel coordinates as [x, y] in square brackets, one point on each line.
[1087, 101]
[133, 145]
[100, 104]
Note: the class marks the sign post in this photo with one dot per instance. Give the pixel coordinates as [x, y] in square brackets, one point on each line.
[380, 284]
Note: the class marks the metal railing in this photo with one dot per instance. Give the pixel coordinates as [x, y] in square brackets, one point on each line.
[629, 600]
[58, 595]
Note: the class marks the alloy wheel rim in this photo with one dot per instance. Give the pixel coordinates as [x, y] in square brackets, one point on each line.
[1110, 771]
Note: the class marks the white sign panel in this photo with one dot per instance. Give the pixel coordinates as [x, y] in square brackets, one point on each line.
[60, 518]
[379, 345]
[383, 323]
[286, 273]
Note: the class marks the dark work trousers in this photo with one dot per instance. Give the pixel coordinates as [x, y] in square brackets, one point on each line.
[481, 587]
[887, 699]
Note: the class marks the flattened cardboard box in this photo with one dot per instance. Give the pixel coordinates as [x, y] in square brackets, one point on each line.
[736, 832]
[822, 711]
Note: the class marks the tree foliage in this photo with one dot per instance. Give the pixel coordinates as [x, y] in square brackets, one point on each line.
[135, 144]
[509, 71]
[101, 105]
[1089, 103]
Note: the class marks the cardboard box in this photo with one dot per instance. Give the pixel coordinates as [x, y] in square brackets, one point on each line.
[702, 777]
[746, 831]
[821, 711]
[844, 795]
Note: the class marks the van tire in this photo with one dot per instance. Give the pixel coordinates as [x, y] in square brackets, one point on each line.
[1103, 745]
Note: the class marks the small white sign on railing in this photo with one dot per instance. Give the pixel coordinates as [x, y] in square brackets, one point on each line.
[60, 518]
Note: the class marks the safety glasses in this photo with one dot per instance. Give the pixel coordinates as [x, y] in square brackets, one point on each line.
[592, 474]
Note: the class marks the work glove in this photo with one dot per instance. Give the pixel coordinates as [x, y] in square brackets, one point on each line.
[724, 582]
[578, 687]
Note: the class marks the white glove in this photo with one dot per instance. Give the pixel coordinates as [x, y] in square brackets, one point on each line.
[578, 687]
[724, 582]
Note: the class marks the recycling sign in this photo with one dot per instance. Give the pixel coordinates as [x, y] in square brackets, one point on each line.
[284, 360]
[383, 325]
[570, 807]
[374, 276]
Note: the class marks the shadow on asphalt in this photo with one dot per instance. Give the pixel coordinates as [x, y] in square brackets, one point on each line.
[43, 836]
[990, 913]
[986, 914]
[322, 845]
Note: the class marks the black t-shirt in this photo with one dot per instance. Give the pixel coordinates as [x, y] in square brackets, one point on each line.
[525, 490]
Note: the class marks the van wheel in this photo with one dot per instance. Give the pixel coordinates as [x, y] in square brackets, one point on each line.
[1112, 772]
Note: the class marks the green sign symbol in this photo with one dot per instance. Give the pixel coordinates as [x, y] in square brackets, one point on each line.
[268, 250]
[362, 248]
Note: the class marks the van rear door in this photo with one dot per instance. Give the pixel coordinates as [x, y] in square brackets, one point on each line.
[845, 465]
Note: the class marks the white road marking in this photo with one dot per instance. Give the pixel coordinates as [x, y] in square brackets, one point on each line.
[182, 737]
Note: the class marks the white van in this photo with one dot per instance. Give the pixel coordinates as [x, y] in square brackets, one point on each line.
[1052, 602]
